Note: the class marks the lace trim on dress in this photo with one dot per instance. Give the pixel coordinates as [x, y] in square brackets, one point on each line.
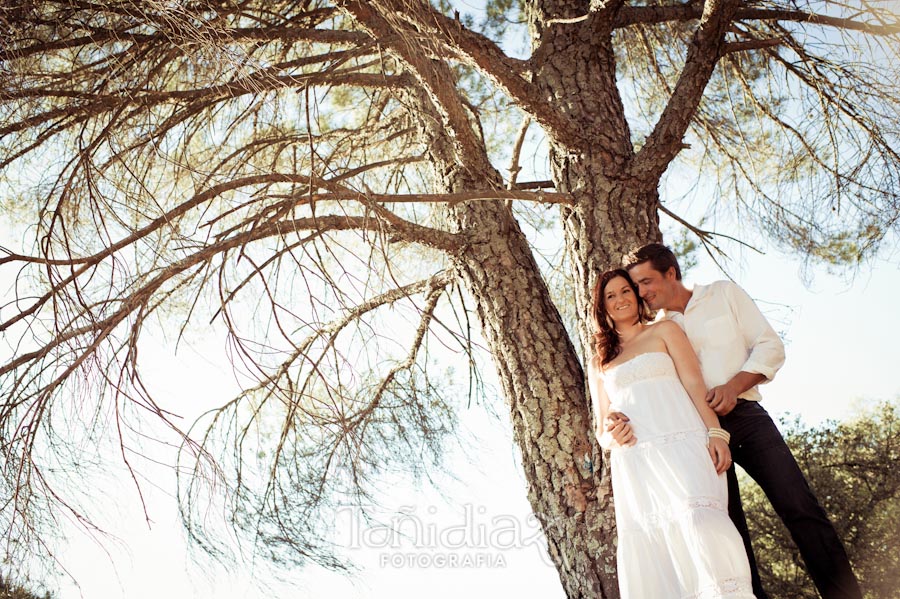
[659, 440]
[721, 589]
[641, 368]
[663, 517]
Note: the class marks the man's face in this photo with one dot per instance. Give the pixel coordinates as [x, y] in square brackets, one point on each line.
[656, 288]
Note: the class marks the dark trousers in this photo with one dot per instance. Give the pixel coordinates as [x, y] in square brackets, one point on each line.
[758, 447]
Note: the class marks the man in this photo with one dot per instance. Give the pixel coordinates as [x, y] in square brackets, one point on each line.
[739, 350]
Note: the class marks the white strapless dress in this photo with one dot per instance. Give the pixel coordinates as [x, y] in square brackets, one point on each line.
[675, 537]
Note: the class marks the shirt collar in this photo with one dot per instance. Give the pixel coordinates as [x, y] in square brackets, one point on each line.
[698, 292]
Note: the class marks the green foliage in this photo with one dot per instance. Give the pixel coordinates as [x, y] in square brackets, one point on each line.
[493, 18]
[685, 247]
[837, 248]
[852, 468]
[9, 590]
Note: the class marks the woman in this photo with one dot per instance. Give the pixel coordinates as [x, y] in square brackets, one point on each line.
[667, 455]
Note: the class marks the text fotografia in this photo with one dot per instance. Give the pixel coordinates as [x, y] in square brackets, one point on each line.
[421, 538]
[399, 559]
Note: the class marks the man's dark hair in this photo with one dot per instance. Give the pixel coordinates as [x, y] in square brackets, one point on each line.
[660, 257]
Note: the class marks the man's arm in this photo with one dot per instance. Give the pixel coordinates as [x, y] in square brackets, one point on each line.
[766, 348]
[766, 352]
[723, 398]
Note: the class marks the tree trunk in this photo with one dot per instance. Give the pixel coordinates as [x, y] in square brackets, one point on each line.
[541, 376]
[614, 211]
[543, 380]
[538, 366]
[599, 233]
[544, 385]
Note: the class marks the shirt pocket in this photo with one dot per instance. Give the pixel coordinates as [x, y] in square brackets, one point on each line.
[720, 331]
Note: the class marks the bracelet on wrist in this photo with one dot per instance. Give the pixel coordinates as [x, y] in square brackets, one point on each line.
[718, 433]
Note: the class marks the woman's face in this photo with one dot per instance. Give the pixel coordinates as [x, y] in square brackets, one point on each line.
[620, 301]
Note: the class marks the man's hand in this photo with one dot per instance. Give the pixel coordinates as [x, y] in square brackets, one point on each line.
[722, 399]
[617, 425]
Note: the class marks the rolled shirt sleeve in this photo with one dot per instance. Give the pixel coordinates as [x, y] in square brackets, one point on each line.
[765, 346]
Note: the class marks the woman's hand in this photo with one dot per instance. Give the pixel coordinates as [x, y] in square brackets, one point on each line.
[720, 454]
[618, 426]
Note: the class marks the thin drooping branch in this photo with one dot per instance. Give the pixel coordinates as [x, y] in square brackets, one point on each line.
[346, 428]
[649, 15]
[514, 166]
[707, 237]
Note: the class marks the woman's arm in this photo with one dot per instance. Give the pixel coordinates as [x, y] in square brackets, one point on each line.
[688, 367]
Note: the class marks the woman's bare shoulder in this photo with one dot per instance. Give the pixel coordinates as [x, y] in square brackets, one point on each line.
[665, 329]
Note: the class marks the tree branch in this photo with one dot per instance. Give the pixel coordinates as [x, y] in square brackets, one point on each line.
[651, 15]
[135, 299]
[97, 105]
[732, 47]
[664, 143]
[799, 16]
[488, 58]
[100, 35]
[434, 76]
[514, 166]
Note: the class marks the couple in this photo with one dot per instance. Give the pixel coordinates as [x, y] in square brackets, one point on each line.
[674, 401]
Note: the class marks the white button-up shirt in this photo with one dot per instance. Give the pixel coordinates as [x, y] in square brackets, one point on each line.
[729, 334]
